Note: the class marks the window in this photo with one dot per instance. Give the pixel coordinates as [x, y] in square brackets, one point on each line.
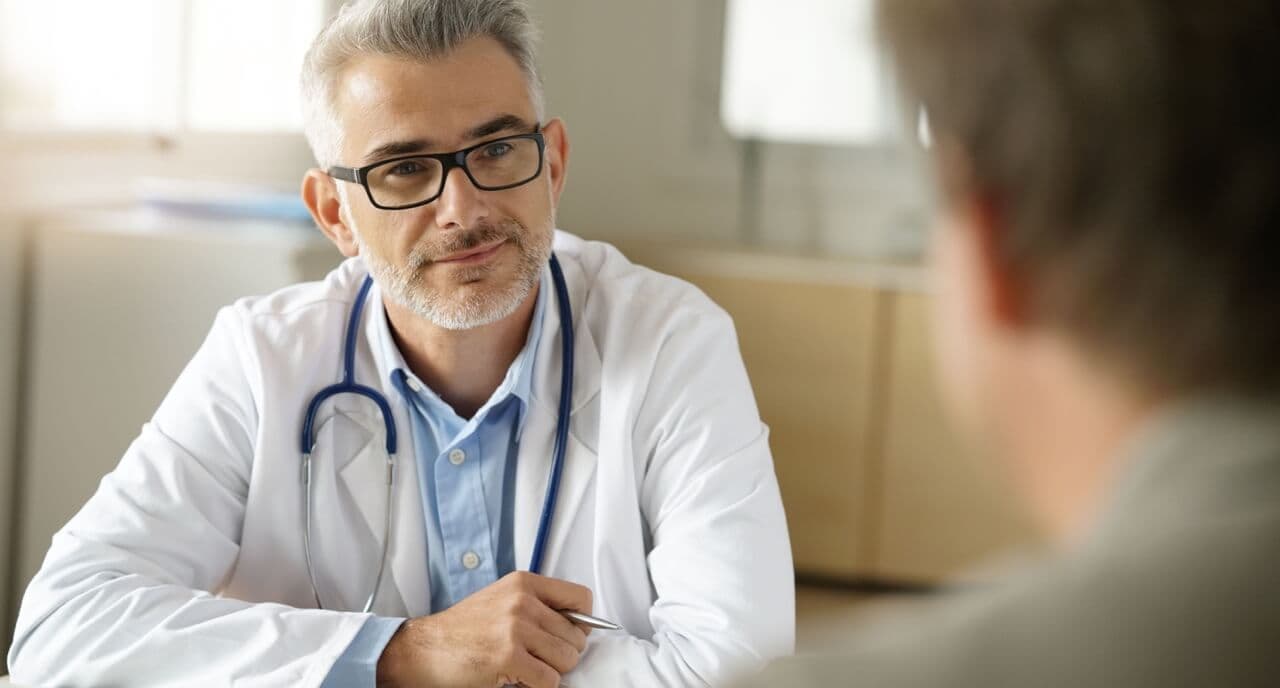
[807, 98]
[804, 71]
[153, 65]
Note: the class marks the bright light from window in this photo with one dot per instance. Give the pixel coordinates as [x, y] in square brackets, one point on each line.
[803, 71]
[153, 65]
[77, 65]
[245, 59]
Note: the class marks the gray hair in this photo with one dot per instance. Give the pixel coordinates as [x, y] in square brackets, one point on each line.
[414, 29]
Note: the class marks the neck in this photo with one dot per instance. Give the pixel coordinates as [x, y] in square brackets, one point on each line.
[1068, 434]
[464, 367]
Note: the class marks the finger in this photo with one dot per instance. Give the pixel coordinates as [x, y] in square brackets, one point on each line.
[555, 652]
[531, 672]
[561, 594]
[556, 624]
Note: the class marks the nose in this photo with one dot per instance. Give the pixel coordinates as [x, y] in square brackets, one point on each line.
[460, 205]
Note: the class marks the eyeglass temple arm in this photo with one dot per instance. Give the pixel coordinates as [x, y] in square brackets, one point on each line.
[345, 174]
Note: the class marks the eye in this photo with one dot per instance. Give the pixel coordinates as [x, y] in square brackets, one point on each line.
[406, 168]
[498, 149]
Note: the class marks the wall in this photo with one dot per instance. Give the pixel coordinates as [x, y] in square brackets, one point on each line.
[638, 86]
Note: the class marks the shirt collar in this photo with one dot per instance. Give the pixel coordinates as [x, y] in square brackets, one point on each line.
[518, 382]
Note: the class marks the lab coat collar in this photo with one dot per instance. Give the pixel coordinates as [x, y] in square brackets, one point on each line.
[537, 448]
[586, 359]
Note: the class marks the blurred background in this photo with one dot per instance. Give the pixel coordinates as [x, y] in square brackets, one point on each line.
[755, 148]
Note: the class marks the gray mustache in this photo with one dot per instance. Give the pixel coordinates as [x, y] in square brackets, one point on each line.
[425, 253]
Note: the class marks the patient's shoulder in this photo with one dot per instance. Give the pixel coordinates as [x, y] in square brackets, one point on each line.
[1157, 617]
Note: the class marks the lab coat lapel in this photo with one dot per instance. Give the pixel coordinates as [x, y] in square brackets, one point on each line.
[408, 556]
[532, 464]
[407, 560]
[349, 493]
[538, 436]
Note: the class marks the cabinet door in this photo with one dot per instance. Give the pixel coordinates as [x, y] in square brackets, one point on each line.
[808, 348]
[943, 508]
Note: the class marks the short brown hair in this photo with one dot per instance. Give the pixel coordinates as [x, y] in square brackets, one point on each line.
[1133, 148]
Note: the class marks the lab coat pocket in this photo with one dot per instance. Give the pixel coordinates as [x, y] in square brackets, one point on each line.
[349, 504]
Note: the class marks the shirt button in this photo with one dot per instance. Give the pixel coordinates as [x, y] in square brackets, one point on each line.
[415, 385]
[470, 560]
[457, 456]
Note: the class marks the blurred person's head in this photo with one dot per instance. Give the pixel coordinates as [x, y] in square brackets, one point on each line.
[1110, 190]
[389, 82]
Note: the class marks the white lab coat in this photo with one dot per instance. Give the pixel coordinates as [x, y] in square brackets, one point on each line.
[187, 566]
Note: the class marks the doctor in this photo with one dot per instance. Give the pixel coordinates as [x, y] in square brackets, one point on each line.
[206, 558]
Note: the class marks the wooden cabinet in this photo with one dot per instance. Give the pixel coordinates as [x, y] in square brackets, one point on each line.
[808, 350]
[941, 506]
[875, 483]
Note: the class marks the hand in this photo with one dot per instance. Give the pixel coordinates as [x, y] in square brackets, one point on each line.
[509, 633]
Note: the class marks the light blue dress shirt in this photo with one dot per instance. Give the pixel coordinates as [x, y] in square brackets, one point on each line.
[466, 473]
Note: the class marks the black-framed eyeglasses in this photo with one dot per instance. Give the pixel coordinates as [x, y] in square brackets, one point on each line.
[409, 181]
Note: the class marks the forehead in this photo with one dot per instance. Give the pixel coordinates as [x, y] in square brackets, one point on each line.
[381, 98]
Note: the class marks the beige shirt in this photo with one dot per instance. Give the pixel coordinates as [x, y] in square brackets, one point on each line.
[1178, 584]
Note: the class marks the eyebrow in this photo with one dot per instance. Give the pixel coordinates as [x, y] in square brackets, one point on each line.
[499, 124]
[391, 150]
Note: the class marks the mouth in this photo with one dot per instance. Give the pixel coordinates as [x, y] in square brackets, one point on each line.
[473, 256]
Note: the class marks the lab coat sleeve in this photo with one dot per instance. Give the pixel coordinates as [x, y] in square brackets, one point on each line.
[720, 562]
[123, 596]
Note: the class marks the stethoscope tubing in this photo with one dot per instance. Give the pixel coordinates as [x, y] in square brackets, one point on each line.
[349, 386]
[562, 419]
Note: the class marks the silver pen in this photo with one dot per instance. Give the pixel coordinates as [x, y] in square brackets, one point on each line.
[588, 620]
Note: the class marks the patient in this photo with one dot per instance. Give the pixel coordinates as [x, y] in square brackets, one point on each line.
[1107, 320]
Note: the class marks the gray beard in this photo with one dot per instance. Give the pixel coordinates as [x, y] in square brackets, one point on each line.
[467, 309]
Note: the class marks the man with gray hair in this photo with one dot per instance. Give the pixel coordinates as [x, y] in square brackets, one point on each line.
[435, 466]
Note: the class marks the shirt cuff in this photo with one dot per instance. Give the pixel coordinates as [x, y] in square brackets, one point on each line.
[358, 665]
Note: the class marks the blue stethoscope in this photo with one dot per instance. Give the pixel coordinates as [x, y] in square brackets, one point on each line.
[348, 385]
